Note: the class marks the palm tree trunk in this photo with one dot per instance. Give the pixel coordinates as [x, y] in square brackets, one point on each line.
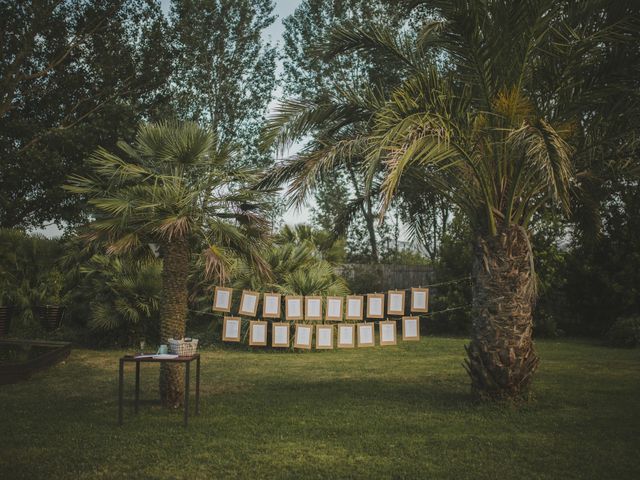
[173, 315]
[501, 357]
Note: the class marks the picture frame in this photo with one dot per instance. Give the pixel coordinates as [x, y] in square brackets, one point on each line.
[375, 305]
[419, 300]
[231, 329]
[271, 305]
[313, 308]
[388, 332]
[395, 302]
[257, 333]
[280, 334]
[346, 335]
[354, 307]
[366, 335]
[410, 329]
[222, 299]
[249, 303]
[324, 337]
[334, 309]
[293, 307]
[303, 336]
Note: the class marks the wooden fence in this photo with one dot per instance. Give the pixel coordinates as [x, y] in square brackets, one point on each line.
[368, 278]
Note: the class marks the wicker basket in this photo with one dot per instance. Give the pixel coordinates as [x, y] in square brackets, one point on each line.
[183, 347]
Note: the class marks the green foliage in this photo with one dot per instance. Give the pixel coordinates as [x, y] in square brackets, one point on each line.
[625, 332]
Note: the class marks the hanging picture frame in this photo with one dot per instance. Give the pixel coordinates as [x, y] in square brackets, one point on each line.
[366, 335]
[257, 333]
[271, 305]
[222, 299]
[354, 307]
[313, 308]
[419, 300]
[388, 332]
[324, 337]
[334, 309]
[410, 329]
[346, 336]
[249, 303]
[293, 307]
[231, 329]
[304, 336]
[280, 334]
[375, 305]
[395, 302]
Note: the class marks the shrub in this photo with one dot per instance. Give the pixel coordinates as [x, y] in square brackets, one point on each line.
[625, 332]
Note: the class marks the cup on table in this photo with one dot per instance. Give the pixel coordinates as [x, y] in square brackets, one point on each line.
[163, 350]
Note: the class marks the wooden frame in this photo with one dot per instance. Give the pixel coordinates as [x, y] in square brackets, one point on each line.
[321, 334]
[333, 304]
[251, 309]
[343, 341]
[366, 335]
[300, 328]
[237, 321]
[350, 314]
[222, 293]
[275, 341]
[310, 305]
[375, 300]
[417, 294]
[268, 301]
[289, 301]
[409, 332]
[259, 329]
[388, 332]
[395, 297]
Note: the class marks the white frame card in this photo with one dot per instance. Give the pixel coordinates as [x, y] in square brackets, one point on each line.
[375, 305]
[271, 305]
[222, 299]
[344, 340]
[420, 300]
[366, 335]
[231, 325]
[258, 329]
[395, 302]
[307, 338]
[388, 332]
[410, 331]
[354, 307]
[278, 330]
[290, 308]
[324, 337]
[313, 307]
[249, 303]
[334, 309]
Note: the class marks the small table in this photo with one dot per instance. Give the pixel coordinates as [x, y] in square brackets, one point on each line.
[138, 360]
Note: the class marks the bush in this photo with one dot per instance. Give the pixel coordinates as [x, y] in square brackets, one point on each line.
[625, 332]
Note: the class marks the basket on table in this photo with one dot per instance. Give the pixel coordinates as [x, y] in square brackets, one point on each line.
[183, 347]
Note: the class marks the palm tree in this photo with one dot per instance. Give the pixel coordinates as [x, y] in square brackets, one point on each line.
[172, 187]
[484, 129]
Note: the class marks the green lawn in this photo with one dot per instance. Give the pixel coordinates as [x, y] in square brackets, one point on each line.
[388, 412]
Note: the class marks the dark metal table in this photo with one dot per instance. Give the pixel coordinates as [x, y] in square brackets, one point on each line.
[137, 360]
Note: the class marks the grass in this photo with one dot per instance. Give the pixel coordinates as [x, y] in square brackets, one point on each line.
[388, 412]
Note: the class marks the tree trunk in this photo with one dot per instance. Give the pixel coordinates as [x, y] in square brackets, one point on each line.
[173, 316]
[501, 357]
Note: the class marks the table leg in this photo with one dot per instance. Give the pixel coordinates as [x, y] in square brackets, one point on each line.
[198, 386]
[120, 388]
[186, 393]
[137, 386]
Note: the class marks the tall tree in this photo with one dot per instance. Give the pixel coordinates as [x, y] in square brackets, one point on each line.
[478, 131]
[73, 75]
[173, 187]
[224, 71]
